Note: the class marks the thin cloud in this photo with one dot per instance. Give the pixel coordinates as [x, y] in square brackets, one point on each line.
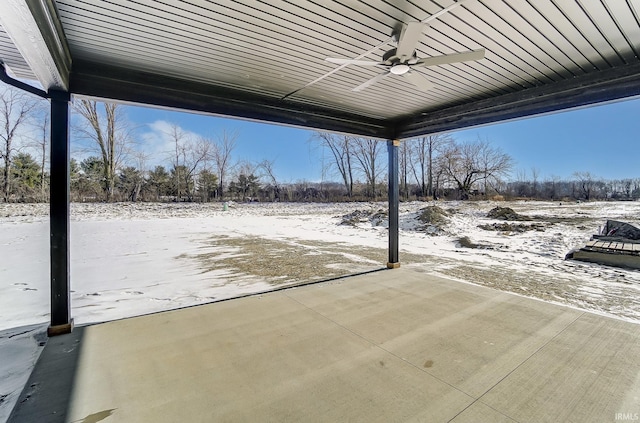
[157, 142]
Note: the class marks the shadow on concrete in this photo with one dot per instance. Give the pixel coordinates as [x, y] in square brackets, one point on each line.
[46, 396]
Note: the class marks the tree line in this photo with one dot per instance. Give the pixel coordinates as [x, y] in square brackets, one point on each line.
[433, 166]
[581, 186]
[110, 166]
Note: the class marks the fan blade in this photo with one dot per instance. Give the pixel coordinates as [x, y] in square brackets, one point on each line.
[409, 40]
[338, 61]
[443, 11]
[419, 80]
[370, 82]
[332, 71]
[452, 58]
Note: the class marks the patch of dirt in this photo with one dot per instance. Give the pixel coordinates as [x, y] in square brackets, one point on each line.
[467, 243]
[574, 220]
[512, 227]
[568, 290]
[376, 218]
[280, 262]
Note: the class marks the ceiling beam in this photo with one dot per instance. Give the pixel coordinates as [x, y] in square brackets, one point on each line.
[127, 85]
[36, 31]
[591, 89]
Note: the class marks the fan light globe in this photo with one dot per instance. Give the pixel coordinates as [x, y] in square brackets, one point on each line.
[399, 69]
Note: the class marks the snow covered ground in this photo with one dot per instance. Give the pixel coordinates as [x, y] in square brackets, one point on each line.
[132, 259]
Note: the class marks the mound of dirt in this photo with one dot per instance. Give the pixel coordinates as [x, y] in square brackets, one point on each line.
[433, 218]
[505, 213]
[433, 215]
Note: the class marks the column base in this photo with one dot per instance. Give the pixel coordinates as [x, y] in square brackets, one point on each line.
[60, 329]
[393, 265]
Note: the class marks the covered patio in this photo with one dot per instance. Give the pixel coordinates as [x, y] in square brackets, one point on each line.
[397, 345]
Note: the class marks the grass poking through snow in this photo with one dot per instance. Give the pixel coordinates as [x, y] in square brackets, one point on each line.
[290, 261]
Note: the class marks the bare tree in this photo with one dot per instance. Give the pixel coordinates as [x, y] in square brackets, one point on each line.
[16, 108]
[188, 157]
[404, 157]
[551, 186]
[469, 163]
[109, 135]
[635, 189]
[197, 154]
[522, 184]
[178, 155]
[341, 150]
[627, 187]
[460, 167]
[423, 160]
[226, 143]
[267, 167]
[494, 164]
[367, 153]
[439, 174]
[138, 161]
[586, 183]
[246, 167]
[419, 163]
[245, 184]
[535, 174]
[42, 144]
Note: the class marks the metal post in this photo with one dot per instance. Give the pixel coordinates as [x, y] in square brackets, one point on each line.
[394, 195]
[61, 321]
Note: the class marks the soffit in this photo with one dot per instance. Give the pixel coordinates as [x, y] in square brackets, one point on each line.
[242, 57]
[12, 57]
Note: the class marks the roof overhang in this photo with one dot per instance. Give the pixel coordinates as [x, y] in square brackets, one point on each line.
[255, 60]
[37, 34]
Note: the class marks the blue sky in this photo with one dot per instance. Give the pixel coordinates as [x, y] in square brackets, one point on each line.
[602, 140]
[293, 156]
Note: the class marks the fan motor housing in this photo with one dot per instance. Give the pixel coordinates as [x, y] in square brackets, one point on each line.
[390, 57]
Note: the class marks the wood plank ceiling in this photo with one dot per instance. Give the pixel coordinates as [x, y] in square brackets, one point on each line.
[241, 57]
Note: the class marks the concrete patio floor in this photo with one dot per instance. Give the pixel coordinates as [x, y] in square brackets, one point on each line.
[397, 345]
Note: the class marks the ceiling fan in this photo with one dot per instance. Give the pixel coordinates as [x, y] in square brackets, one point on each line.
[402, 60]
